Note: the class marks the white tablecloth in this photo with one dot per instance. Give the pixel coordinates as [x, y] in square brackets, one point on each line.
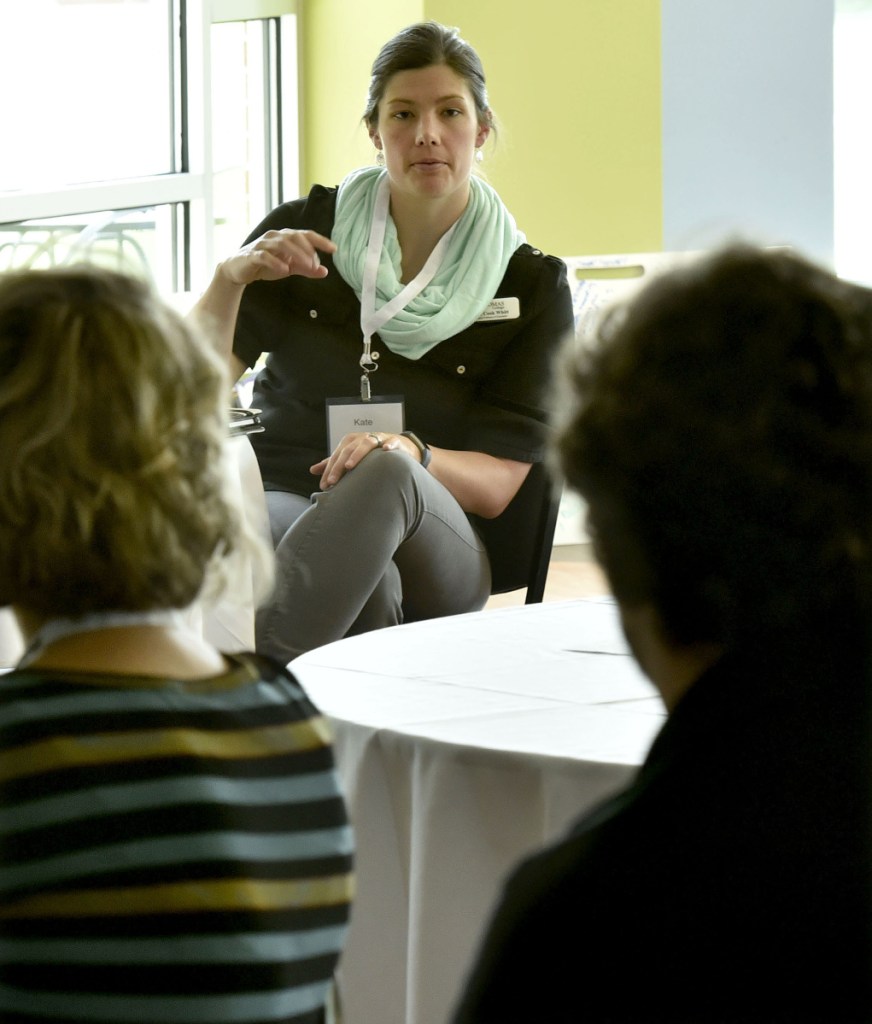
[464, 743]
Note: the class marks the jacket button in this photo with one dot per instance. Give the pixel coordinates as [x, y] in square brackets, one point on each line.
[313, 313]
[461, 369]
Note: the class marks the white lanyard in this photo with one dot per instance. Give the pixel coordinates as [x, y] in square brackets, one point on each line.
[371, 319]
[57, 629]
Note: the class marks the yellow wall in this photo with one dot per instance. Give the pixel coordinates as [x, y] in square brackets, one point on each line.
[575, 87]
[339, 41]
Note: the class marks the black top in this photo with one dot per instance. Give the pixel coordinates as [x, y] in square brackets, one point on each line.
[485, 389]
[730, 882]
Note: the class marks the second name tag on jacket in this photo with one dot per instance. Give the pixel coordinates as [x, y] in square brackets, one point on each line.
[385, 414]
[501, 309]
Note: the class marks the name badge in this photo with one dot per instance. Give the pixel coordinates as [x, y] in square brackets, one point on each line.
[383, 414]
[501, 309]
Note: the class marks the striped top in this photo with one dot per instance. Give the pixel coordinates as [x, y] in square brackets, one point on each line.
[169, 851]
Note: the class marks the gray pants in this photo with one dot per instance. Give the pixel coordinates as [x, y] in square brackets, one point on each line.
[387, 544]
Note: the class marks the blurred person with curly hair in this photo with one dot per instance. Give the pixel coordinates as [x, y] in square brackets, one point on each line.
[720, 430]
[173, 844]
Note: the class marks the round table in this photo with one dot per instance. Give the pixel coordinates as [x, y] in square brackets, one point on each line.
[464, 743]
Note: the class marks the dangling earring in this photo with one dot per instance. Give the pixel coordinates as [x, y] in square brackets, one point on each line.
[379, 158]
[479, 156]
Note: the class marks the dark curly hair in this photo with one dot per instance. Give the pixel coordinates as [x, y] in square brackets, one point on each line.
[720, 429]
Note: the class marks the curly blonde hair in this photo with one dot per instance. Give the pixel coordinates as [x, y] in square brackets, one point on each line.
[112, 428]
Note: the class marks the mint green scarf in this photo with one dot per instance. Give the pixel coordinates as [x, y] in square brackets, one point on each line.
[484, 239]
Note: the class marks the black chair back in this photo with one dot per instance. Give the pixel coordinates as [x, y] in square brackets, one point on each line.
[519, 541]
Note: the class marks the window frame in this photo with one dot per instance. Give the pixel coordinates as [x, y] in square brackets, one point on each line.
[189, 189]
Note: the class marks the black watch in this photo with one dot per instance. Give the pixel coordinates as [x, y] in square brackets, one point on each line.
[426, 454]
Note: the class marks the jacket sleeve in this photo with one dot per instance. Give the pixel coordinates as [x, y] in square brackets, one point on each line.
[257, 321]
[511, 415]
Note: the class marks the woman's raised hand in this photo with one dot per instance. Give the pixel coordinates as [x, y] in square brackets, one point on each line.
[276, 255]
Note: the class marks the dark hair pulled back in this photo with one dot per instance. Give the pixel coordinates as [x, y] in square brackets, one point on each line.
[421, 46]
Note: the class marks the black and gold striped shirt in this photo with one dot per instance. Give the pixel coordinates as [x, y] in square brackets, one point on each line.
[169, 851]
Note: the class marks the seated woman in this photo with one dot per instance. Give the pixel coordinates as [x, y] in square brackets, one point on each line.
[173, 844]
[411, 278]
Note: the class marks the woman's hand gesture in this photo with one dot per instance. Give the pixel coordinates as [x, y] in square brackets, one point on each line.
[276, 255]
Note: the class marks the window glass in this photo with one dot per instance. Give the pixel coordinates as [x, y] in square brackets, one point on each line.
[97, 95]
[254, 123]
[139, 242]
[87, 91]
[852, 143]
[241, 130]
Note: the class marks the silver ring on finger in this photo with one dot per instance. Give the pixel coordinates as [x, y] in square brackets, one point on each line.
[379, 440]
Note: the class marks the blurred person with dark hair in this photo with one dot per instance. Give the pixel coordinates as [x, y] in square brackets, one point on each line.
[173, 844]
[720, 430]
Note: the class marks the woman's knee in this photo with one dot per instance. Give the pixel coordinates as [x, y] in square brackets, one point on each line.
[394, 466]
[383, 473]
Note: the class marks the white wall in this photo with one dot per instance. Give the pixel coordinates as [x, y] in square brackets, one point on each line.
[748, 123]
